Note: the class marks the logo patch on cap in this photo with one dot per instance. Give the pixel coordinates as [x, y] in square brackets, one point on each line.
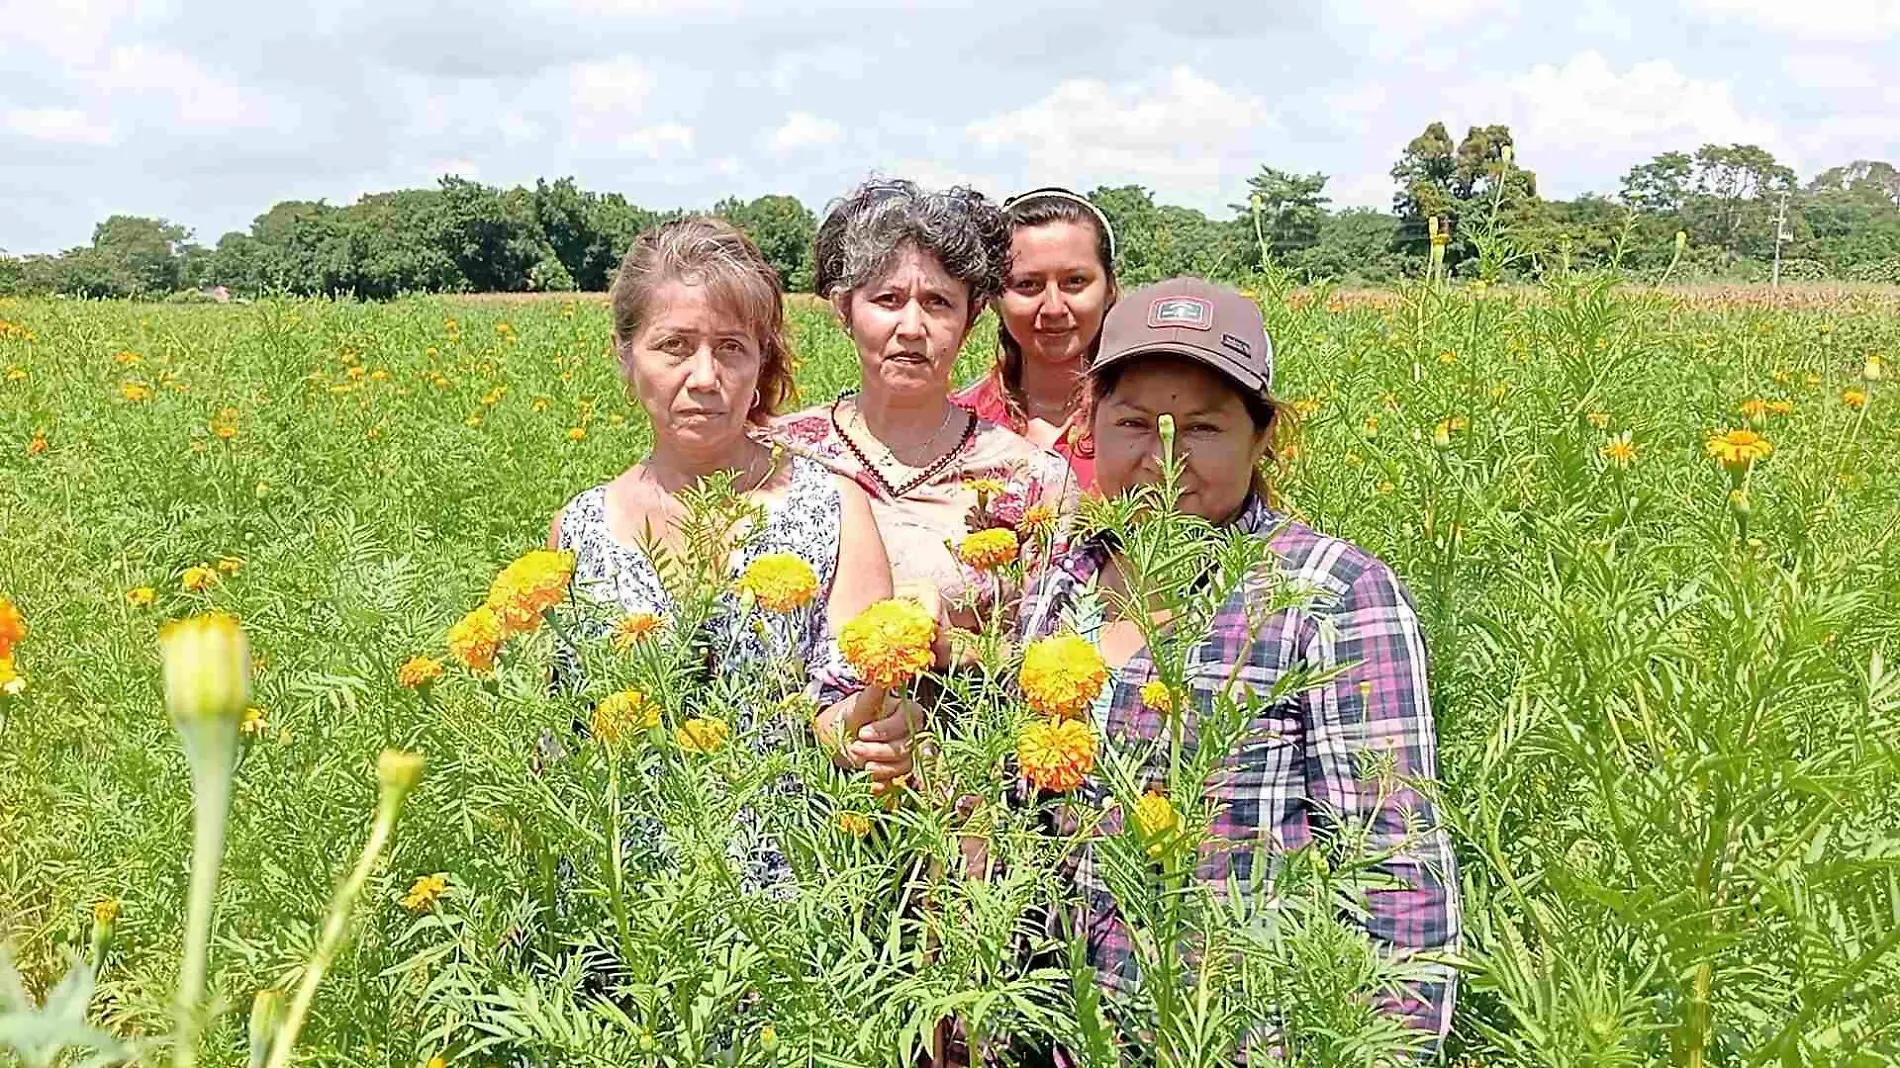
[1191, 312]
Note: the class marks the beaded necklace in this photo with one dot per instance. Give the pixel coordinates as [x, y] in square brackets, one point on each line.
[929, 472]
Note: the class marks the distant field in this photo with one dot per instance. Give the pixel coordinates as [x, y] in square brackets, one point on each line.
[1670, 746]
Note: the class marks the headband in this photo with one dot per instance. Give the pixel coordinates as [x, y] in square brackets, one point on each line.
[1056, 192]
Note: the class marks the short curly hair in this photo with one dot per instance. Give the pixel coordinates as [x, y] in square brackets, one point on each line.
[864, 232]
[711, 252]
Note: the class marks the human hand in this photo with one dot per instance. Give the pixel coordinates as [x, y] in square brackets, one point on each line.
[925, 593]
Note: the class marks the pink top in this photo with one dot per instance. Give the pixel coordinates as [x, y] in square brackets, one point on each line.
[922, 529]
[985, 397]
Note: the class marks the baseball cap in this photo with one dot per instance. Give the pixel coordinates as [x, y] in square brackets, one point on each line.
[1192, 318]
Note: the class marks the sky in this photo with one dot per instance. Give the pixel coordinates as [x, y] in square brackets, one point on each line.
[206, 112]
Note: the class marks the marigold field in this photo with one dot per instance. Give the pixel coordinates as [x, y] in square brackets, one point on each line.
[1653, 538]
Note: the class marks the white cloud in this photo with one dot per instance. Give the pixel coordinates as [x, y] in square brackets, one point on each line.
[1188, 136]
[1823, 20]
[802, 129]
[199, 98]
[1363, 191]
[1586, 117]
[607, 110]
[66, 126]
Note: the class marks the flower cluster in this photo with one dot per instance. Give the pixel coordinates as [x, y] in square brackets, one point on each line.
[779, 582]
[890, 642]
[12, 631]
[623, 714]
[527, 588]
[1062, 675]
[1056, 755]
[987, 550]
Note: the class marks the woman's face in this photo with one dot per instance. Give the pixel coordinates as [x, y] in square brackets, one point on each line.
[694, 367]
[1057, 292]
[1213, 435]
[908, 325]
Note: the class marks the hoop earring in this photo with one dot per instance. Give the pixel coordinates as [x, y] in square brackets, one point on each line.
[757, 399]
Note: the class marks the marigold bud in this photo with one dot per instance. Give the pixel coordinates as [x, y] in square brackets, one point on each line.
[398, 771]
[207, 669]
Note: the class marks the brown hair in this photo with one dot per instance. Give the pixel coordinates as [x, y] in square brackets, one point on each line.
[712, 253]
[1271, 417]
[1043, 209]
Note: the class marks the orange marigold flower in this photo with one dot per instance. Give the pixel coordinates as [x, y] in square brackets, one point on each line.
[11, 683]
[1038, 520]
[854, 824]
[634, 629]
[1854, 398]
[527, 588]
[417, 672]
[1062, 675]
[701, 735]
[229, 564]
[475, 639]
[198, 579]
[135, 392]
[1737, 450]
[987, 550]
[38, 444]
[141, 596]
[12, 625]
[889, 642]
[780, 582]
[1619, 450]
[621, 714]
[1056, 755]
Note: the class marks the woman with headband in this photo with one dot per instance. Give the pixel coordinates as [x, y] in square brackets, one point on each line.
[1060, 284]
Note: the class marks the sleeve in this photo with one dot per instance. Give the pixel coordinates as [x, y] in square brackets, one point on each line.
[1372, 769]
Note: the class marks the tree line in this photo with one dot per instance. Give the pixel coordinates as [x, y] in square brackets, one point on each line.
[463, 236]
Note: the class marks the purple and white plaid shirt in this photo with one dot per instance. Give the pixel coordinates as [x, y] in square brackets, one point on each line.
[1296, 776]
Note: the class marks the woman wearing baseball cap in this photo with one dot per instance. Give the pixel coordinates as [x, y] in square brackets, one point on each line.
[1199, 353]
[1061, 282]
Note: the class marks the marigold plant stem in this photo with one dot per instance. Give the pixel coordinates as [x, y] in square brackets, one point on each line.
[334, 928]
[211, 770]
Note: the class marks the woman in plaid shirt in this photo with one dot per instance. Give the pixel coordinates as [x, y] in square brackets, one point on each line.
[1199, 353]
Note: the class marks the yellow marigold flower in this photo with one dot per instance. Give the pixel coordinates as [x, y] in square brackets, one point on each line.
[12, 626]
[38, 444]
[1780, 407]
[1619, 450]
[1056, 755]
[424, 892]
[1156, 819]
[437, 1062]
[1156, 695]
[417, 672]
[206, 663]
[475, 639]
[253, 720]
[527, 588]
[634, 629]
[197, 579]
[1306, 406]
[1038, 520]
[576, 433]
[1737, 450]
[135, 392]
[105, 910]
[1854, 398]
[11, 683]
[984, 487]
[889, 642]
[624, 713]
[780, 582]
[126, 359]
[854, 824]
[701, 735]
[1754, 409]
[1062, 675]
[539, 404]
[1600, 420]
[140, 596]
[229, 564]
[987, 550]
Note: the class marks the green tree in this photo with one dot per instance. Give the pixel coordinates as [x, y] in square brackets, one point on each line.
[1661, 186]
[783, 229]
[149, 251]
[1292, 209]
[1356, 246]
[1425, 171]
[491, 234]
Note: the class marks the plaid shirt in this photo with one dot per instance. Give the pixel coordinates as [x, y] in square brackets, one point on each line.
[1293, 778]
